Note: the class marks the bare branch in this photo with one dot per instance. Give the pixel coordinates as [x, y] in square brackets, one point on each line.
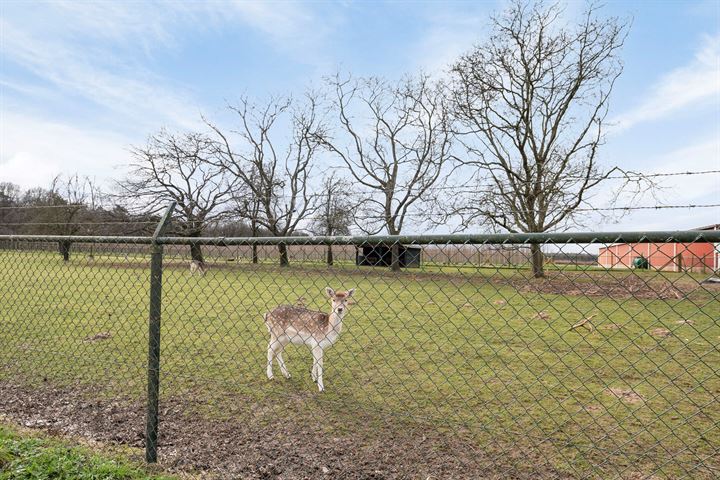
[531, 104]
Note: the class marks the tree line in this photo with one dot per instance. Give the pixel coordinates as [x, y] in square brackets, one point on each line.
[506, 140]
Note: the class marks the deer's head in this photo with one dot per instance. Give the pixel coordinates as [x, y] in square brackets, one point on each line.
[339, 300]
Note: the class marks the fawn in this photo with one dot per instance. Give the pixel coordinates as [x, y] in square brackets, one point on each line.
[197, 266]
[301, 326]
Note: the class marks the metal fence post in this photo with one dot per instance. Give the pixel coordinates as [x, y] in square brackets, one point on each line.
[153, 384]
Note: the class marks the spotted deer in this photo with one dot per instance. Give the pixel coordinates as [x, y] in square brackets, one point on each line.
[301, 326]
[198, 267]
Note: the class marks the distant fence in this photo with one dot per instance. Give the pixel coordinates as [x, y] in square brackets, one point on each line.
[582, 373]
[446, 254]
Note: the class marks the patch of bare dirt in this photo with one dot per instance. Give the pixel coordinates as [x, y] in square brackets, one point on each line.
[626, 395]
[98, 336]
[642, 476]
[660, 332]
[569, 283]
[262, 447]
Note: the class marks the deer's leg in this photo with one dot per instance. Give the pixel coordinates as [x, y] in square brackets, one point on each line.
[281, 361]
[313, 370]
[318, 365]
[272, 350]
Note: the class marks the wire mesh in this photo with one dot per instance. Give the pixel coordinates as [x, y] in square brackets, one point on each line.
[462, 362]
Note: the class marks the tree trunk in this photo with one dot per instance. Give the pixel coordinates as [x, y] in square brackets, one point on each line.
[537, 261]
[284, 261]
[254, 231]
[329, 256]
[64, 248]
[395, 257]
[196, 253]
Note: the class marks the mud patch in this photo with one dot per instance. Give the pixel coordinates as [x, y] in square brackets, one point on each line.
[626, 395]
[270, 446]
[660, 332]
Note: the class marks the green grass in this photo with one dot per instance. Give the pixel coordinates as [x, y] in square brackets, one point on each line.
[24, 456]
[437, 346]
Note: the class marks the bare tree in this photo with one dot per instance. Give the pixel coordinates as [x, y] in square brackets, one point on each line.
[94, 207]
[396, 142]
[72, 205]
[59, 210]
[335, 216]
[180, 167]
[9, 207]
[532, 103]
[274, 170]
[247, 207]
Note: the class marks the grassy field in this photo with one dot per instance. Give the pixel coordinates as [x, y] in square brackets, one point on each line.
[25, 456]
[465, 351]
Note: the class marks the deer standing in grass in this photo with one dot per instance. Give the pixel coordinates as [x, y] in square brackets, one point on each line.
[198, 267]
[301, 326]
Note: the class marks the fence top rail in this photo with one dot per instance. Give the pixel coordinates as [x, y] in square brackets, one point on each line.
[683, 236]
[77, 238]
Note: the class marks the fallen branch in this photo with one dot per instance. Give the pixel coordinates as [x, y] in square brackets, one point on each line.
[98, 336]
[585, 322]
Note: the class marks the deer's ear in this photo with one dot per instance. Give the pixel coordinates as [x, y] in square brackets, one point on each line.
[330, 292]
[350, 292]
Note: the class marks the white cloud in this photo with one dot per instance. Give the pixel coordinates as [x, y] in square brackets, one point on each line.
[88, 57]
[33, 151]
[90, 50]
[701, 156]
[27, 170]
[676, 190]
[448, 37]
[287, 24]
[134, 94]
[119, 23]
[683, 87]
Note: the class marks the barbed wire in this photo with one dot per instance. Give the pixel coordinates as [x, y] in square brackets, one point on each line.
[455, 188]
[364, 217]
[648, 207]
[668, 174]
[462, 189]
[587, 209]
[17, 224]
[26, 207]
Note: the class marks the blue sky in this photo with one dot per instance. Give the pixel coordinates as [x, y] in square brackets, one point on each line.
[82, 81]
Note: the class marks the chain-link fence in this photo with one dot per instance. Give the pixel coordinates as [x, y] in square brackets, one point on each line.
[462, 362]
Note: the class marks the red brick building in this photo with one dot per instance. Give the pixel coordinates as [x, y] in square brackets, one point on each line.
[674, 257]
